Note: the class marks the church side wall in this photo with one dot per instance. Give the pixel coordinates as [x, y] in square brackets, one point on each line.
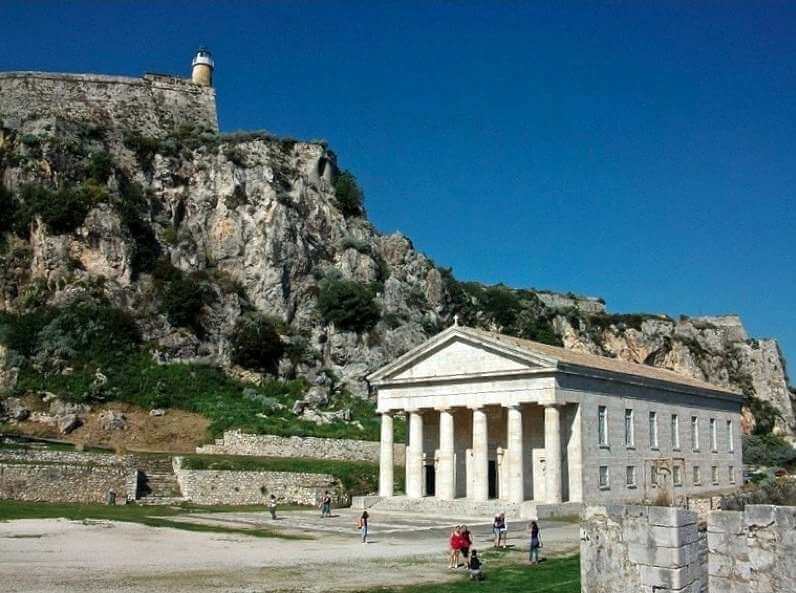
[152, 105]
[616, 456]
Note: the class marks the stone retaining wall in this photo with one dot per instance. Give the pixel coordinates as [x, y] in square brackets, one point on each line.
[239, 443]
[753, 550]
[639, 549]
[252, 487]
[40, 482]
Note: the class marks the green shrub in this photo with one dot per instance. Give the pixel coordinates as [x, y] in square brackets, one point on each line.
[132, 205]
[350, 198]
[256, 344]
[62, 211]
[348, 304]
[182, 300]
[765, 414]
[100, 167]
[767, 449]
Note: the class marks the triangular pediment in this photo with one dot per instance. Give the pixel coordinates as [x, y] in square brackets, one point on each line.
[457, 354]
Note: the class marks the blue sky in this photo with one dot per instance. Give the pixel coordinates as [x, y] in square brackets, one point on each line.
[644, 152]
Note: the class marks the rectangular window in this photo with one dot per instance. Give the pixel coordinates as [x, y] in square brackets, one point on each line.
[602, 426]
[654, 474]
[675, 432]
[630, 437]
[631, 475]
[604, 476]
[694, 433]
[714, 474]
[714, 437]
[697, 476]
[677, 477]
[730, 438]
[731, 474]
[653, 430]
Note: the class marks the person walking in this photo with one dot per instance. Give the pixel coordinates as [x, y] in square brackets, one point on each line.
[326, 505]
[500, 530]
[535, 542]
[363, 526]
[455, 543]
[272, 507]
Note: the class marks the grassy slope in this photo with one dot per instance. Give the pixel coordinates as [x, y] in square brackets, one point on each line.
[145, 515]
[508, 574]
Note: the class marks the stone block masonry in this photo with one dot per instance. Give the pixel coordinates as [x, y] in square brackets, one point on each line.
[211, 487]
[632, 549]
[239, 443]
[752, 551]
[152, 105]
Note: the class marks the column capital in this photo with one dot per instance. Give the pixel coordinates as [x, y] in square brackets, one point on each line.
[387, 412]
[419, 411]
[511, 406]
[443, 408]
[476, 407]
[553, 404]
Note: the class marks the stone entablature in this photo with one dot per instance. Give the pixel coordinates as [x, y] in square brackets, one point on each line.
[152, 105]
[235, 442]
[492, 416]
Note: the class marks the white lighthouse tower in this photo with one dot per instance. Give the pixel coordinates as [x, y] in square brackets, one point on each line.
[202, 73]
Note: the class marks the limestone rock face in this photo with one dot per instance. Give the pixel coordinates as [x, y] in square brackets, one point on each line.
[257, 218]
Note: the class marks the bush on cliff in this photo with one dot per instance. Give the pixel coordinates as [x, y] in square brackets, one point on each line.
[256, 344]
[62, 210]
[350, 198]
[181, 295]
[348, 304]
[768, 450]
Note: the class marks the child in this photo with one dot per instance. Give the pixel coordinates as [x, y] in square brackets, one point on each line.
[272, 507]
[455, 545]
[474, 567]
[499, 529]
[467, 541]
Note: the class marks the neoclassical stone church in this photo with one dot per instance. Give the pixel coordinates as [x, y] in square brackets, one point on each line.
[493, 417]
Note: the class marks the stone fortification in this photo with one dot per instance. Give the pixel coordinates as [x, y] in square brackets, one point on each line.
[65, 476]
[239, 443]
[752, 550]
[151, 105]
[556, 300]
[634, 549]
[254, 487]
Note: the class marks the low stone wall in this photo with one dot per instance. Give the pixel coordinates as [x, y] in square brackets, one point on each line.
[632, 549]
[252, 487]
[753, 550]
[264, 445]
[32, 455]
[40, 482]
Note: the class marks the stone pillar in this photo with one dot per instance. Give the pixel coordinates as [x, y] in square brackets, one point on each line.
[386, 462]
[480, 464]
[446, 486]
[552, 453]
[414, 456]
[515, 456]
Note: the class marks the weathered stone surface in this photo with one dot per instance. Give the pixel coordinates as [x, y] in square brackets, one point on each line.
[110, 420]
[68, 423]
[239, 443]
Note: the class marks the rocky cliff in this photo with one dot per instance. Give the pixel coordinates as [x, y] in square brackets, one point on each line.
[195, 234]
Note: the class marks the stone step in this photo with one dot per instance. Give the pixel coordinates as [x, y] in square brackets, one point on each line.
[161, 500]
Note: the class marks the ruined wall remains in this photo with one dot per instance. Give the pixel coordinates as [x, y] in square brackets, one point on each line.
[556, 300]
[151, 105]
[640, 549]
[752, 551]
[252, 487]
[239, 443]
[40, 482]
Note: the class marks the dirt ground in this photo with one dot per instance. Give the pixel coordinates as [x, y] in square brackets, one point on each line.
[57, 556]
[175, 432]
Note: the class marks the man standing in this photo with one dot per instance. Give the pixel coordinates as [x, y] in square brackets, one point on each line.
[326, 505]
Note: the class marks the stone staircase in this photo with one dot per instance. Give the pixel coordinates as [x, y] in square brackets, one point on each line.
[157, 482]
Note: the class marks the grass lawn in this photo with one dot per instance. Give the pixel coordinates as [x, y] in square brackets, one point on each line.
[152, 516]
[508, 573]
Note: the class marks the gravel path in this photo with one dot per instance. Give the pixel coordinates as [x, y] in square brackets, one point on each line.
[56, 555]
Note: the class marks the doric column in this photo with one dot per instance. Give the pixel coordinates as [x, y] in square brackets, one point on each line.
[480, 464]
[515, 456]
[552, 447]
[414, 456]
[386, 462]
[445, 487]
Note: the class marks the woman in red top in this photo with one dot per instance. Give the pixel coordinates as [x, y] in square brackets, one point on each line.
[455, 545]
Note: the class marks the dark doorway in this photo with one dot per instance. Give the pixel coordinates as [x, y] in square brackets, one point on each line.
[493, 479]
[430, 480]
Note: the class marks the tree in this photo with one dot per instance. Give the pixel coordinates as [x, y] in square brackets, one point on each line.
[348, 304]
[350, 198]
[256, 344]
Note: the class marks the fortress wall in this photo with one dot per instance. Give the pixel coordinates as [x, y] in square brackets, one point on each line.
[151, 105]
